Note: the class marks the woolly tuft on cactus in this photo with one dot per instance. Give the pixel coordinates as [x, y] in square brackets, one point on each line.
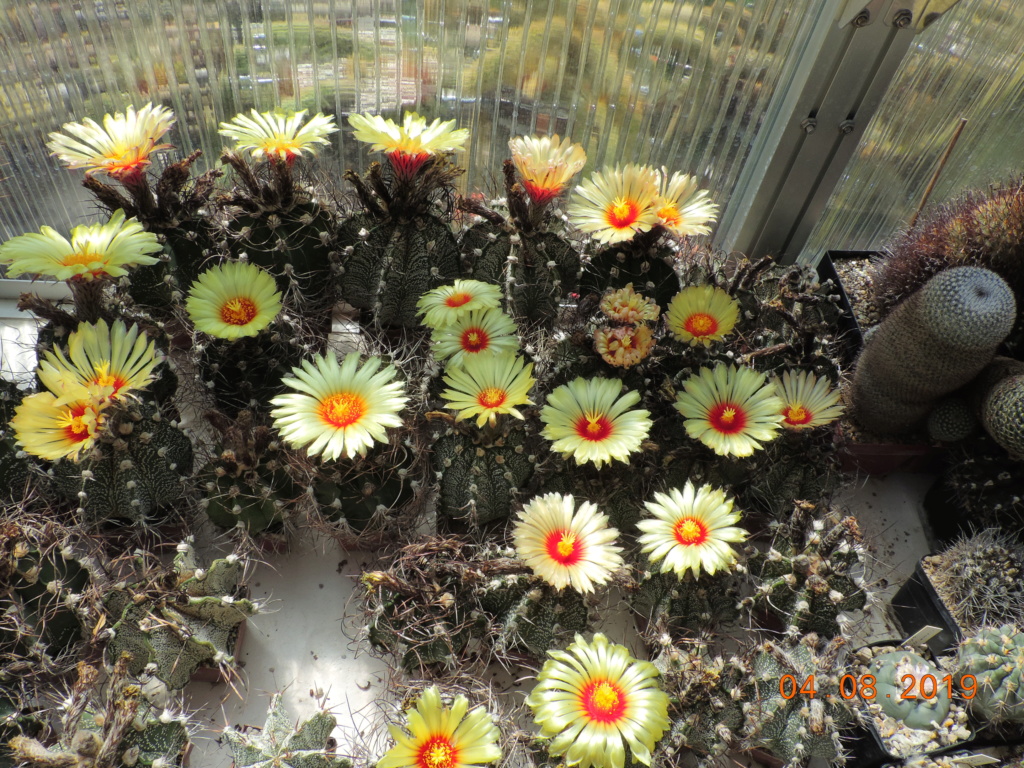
[995, 656]
[891, 671]
[934, 343]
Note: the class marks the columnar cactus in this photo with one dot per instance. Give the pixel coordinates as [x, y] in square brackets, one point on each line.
[933, 343]
[805, 725]
[282, 744]
[169, 633]
[995, 656]
[807, 576]
[891, 671]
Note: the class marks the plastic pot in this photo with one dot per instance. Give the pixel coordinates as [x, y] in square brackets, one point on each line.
[917, 605]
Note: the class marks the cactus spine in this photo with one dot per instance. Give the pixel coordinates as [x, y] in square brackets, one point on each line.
[282, 743]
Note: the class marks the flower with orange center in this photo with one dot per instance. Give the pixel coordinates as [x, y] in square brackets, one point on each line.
[51, 431]
[625, 345]
[277, 136]
[486, 386]
[701, 314]
[436, 736]
[409, 145]
[588, 420]
[103, 363]
[546, 165]
[616, 204]
[485, 332]
[683, 209]
[120, 147]
[594, 699]
[339, 409]
[566, 547]
[807, 401]
[232, 300]
[95, 251]
[442, 306]
[691, 530]
[627, 306]
[730, 409]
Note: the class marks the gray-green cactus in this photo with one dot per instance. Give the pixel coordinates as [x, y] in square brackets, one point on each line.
[672, 607]
[891, 671]
[138, 466]
[1002, 414]
[933, 343]
[527, 615]
[808, 575]
[798, 727]
[995, 656]
[979, 579]
[951, 420]
[109, 726]
[170, 633]
[282, 744]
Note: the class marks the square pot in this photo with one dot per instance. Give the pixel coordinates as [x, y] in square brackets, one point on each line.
[917, 605]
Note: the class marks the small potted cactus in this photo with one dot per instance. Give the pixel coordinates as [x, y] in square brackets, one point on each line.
[994, 658]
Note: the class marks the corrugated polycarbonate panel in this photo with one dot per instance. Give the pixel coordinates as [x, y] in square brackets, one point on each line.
[680, 84]
[969, 64]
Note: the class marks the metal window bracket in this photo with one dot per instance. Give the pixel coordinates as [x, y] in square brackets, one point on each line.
[824, 103]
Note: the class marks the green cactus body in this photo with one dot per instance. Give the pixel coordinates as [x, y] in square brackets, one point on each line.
[246, 373]
[687, 607]
[299, 239]
[282, 744]
[14, 466]
[933, 343]
[129, 476]
[366, 495]
[800, 726]
[394, 262]
[951, 420]
[891, 671]
[995, 656]
[532, 616]
[480, 479]
[1002, 414]
[650, 268]
[195, 625]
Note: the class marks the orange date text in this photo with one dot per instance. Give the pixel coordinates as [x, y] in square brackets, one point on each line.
[865, 686]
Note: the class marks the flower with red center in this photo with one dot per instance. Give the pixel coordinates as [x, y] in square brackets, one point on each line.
[701, 314]
[588, 420]
[616, 204]
[683, 209]
[120, 147]
[691, 530]
[339, 409]
[103, 363]
[807, 401]
[51, 431]
[232, 300]
[730, 409]
[409, 145]
[624, 346]
[566, 547]
[444, 305]
[546, 165]
[95, 251]
[627, 306]
[276, 136]
[485, 332]
[436, 736]
[594, 699]
[488, 385]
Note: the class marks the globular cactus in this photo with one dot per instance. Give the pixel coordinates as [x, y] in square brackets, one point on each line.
[987, 485]
[109, 725]
[14, 466]
[139, 466]
[808, 574]
[979, 579]
[169, 633]
[995, 656]
[1002, 414]
[246, 484]
[891, 671]
[951, 420]
[670, 606]
[935, 342]
[283, 744]
[480, 475]
[644, 261]
[796, 728]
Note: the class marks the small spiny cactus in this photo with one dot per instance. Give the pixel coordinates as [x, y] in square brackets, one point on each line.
[283, 744]
[995, 656]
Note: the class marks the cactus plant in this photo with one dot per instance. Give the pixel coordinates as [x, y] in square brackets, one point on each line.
[807, 575]
[282, 744]
[1002, 414]
[670, 606]
[528, 616]
[995, 656]
[951, 420]
[137, 467]
[109, 726]
[169, 633]
[978, 578]
[987, 484]
[891, 671]
[934, 343]
[14, 466]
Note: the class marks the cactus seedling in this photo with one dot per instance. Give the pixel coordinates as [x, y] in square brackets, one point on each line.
[282, 744]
